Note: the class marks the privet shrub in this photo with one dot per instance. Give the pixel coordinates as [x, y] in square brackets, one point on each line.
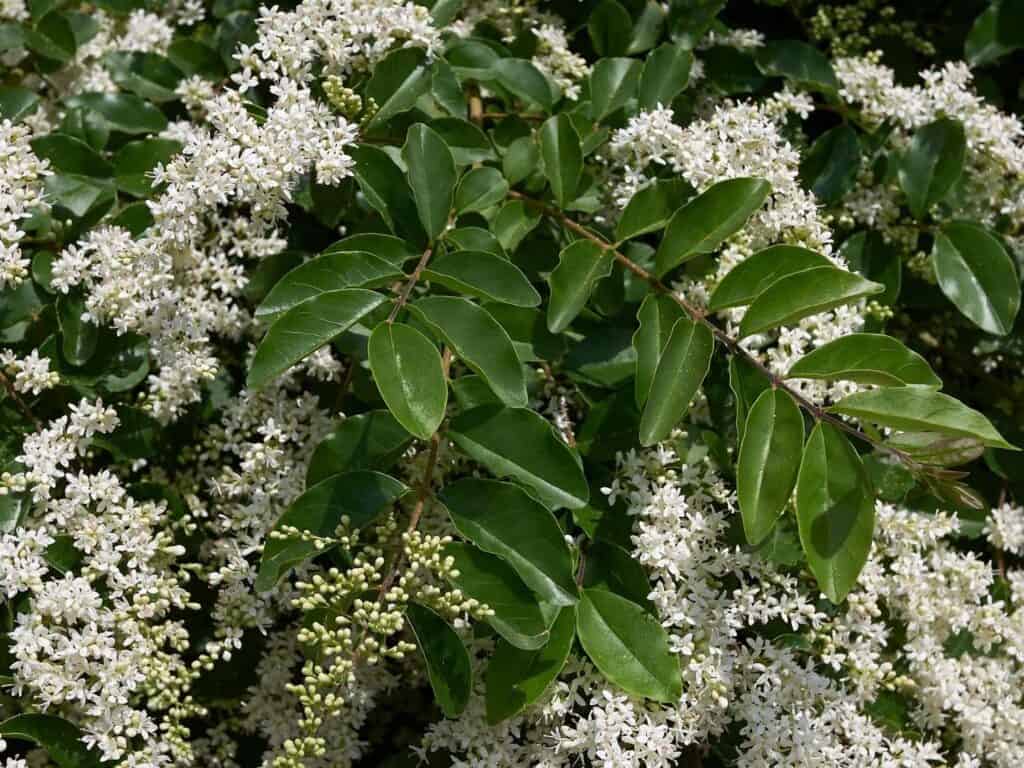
[504, 384]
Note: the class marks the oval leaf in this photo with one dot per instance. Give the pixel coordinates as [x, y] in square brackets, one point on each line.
[933, 164]
[666, 73]
[479, 341]
[866, 358]
[769, 458]
[371, 440]
[835, 511]
[431, 175]
[61, 740]
[613, 82]
[518, 443]
[702, 224]
[501, 518]
[581, 265]
[410, 376]
[483, 275]
[681, 369]
[448, 664]
[480, 189]
[748, 279]
[802, 294]
[305, 328]
[628, 646]
[657, 316]
[563, 158]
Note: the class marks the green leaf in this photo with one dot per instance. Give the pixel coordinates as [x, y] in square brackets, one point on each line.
[410, 376]
[683, 364]
[749, 279]
[830, 167]
[52, 37]
[983, 45]
[657, 317]
[628, 646]
[610, 28]
[1009, 18]
[933, 164]
[649, 209]
[474, 239]
[563, 157]
[707, 220]
[431, 176]
[613, 569]
[305, 328]
[479, 341]
[835, 506]
[136, 159]
[333, 271]
[387, 191]
[799, 62]
[613, 82]
[914, 408]
[868, 254]
[62, 740]
[941, 450]
[747, 383]
[524, 81]
[70, 155]
[398, 80]
[448, 664]
[769, 458]
[581, 264]
[802, 294]
[124, 111]
[360, 496]
[977, 274]
[467, 143]
[666, 73]
[503, 519]
[483, 275]
[391, 249]
[373, 440]
[148, 75]
[78, 337]
[518, 616]
[17, 102]
[866, 358]
[81, 195]
[444, 84]
[514, 221]
[521, 160]
[515, 678]
[480, 189]
[518, 443]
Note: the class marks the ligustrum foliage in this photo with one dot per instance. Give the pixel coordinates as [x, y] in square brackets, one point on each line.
[515, 375]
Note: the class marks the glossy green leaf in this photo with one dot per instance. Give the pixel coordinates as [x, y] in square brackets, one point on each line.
[521, 78]
[431, 175]
[410, 376]
[748, 279]
[448, 665]
[333, 271]
[649, 209]
[914, 408]
[125, 112]
[613, 82]
[503, 519]
[146, 74]
[479, 341]
[932, 164]
[804, 293]
[983, 44]
[866, 358]
[17, 102]
[360, 496]
[483, 275]
[835, 506]
[467, 143]
[373, 440]
[398, 80]
[657, 317]
[134, 162]
[61, 740]
[612, 568]
[78, 336]
[305, 328]
[868, 254]
[563, 157]
[521, 444]
[683, 364]
[389, 248]
[518, 615]
[70, 155]
[747, 383]
[707, 220]
[829, 169]
[480, 189]
[977, 274]
[581, 264]
[666, 73]
[628, 646]
[515, 678]
[387, 190]
[797, 61]
[769, 458]
[514, 221]
[610, 28]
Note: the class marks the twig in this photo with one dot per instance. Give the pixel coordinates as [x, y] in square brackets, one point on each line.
[409, 285]
[699, 316]
[22, 405]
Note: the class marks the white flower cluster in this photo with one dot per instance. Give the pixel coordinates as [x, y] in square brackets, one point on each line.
[31, 373]
[21, 191]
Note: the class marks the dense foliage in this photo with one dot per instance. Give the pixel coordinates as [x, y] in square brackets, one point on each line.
[483, 383]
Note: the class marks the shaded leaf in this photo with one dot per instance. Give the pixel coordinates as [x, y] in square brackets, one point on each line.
[448, 664]
[410, 376]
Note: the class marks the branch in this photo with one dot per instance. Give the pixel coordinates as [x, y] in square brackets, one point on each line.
[409, 285]
[698, 315]
[22, 405]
